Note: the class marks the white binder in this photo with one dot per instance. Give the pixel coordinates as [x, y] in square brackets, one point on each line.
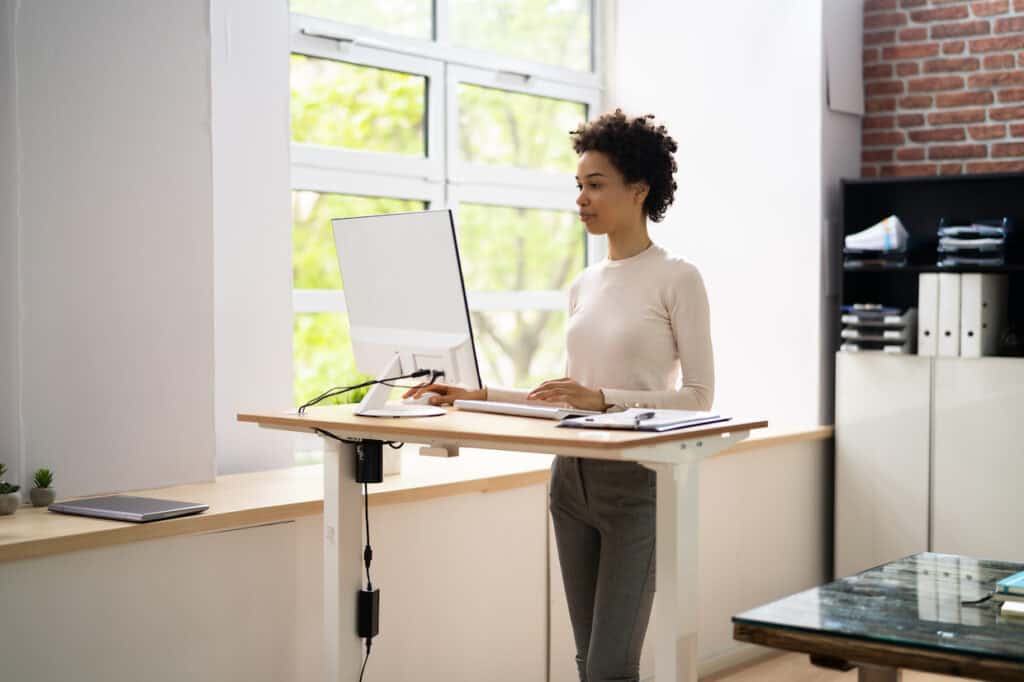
[949, 314]
[982, 313]
[928, 314]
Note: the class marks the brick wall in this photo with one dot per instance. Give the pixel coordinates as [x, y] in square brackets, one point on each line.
[943, 87]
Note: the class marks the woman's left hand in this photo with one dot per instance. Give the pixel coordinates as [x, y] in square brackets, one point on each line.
[575, 394]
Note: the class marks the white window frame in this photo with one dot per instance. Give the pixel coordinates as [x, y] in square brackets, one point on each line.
[442, 50]
[463, 172]
[440, 178]
[431, 165]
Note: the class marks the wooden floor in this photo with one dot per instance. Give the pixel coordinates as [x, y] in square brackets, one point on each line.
[798, 668]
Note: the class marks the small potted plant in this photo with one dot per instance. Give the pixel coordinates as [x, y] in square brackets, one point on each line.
[42, 495]
[9, 498]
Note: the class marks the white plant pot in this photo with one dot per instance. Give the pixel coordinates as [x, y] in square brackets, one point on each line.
[42, 497]
[9, 503]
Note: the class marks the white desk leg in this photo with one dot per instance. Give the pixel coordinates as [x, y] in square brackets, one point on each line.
[676, 583]
[343, 537]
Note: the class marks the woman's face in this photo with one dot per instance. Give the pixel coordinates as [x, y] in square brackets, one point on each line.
[606, 202]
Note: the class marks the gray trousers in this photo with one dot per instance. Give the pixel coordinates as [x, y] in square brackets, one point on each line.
[604, 519]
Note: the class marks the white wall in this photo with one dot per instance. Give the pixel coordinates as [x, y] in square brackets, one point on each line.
[113, 108]
[740, 87]
[10, 433]
[252, 229]
[144, 165]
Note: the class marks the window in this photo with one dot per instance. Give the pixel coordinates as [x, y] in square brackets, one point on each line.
[402, 105]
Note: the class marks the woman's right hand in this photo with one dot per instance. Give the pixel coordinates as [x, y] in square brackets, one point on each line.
[446, 394]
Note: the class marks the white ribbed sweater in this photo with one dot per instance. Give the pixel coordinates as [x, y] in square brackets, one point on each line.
[639, 329]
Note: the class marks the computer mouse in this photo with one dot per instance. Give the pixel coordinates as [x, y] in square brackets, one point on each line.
[424, 399]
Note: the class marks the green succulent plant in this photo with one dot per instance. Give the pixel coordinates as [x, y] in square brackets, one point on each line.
[6, 487]
[43, 478]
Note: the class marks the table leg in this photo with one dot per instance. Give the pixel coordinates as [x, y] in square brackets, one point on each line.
[343, 537]
[875, 673]
[676, 583]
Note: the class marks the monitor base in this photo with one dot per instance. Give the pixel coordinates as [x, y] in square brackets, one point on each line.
[403, 411]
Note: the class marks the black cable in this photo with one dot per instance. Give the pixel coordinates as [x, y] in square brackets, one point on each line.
[975, 602]
[339, 390]
[328, 434]
[367, 551]
[365, 659]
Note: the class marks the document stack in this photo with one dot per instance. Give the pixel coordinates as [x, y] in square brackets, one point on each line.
[973, 243]
[874, 327]
[884, 244]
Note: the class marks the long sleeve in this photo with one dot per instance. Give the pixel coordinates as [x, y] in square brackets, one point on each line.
[690, 319]
[641, 332]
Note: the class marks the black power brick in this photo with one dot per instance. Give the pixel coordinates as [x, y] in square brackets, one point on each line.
[370, 461]
[368, 617]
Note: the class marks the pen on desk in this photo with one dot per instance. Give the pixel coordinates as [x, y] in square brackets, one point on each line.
[642, 416]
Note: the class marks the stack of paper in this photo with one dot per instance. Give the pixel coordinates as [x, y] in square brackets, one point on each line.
[884, 244]
[977, 243]
[874, 327]
[640, 419]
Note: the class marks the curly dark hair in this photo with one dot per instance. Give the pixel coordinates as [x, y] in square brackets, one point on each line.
[639, 149]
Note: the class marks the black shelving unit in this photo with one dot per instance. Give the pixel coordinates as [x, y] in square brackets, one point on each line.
[920, 203]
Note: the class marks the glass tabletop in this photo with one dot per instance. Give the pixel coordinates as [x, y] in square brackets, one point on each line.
[916, 601]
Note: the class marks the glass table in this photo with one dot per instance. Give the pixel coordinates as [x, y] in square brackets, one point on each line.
[909, 613]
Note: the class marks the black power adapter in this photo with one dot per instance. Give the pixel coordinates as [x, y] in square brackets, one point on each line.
[370, 461]
[368, 616]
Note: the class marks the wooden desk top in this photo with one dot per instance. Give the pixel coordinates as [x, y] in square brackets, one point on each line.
[490, 431]
[262, 497]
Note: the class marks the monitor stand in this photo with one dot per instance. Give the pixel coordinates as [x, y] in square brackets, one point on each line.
[374, 403]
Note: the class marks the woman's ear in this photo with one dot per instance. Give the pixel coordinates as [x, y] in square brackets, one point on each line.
[640, 192]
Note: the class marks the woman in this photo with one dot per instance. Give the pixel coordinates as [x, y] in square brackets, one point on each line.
[637, 321]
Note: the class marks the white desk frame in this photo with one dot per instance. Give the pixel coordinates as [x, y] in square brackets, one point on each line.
[677, 466]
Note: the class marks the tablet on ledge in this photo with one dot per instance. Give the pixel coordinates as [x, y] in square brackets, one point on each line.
[128, 508]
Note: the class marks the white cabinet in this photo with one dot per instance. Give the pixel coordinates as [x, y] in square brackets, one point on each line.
[978, 458]
[929, 456]
[882, 435]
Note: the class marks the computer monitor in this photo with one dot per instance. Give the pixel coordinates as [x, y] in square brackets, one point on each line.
[406, 303]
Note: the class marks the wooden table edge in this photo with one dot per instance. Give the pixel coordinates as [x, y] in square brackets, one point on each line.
[387, 428]
[855, 650]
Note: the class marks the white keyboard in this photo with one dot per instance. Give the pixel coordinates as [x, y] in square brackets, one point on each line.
[520, 409]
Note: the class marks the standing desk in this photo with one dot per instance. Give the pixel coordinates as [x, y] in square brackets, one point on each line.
[673, 455]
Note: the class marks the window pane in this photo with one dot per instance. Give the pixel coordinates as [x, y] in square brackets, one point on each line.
[314, 261]
[548, 31]
[323, 358]
[502, 128]
[521, 348]
[337, 104]
[519, 249]
[412, 18]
